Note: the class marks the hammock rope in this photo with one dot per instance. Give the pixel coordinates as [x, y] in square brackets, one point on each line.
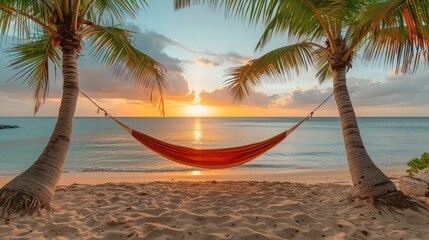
[207, 158]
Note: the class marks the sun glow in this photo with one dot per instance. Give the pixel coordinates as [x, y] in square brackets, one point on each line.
[196, 173]
[197, 110]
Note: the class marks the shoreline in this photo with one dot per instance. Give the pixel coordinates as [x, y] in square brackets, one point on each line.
[308, 176]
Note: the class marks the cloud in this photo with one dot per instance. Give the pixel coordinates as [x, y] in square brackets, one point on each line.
[208, 62]
[154, 44]
[17, 91]
[302, 98]
[220, 58]
[400, 90]
[101, 84]
[216, 60]
[221, 97]
[235, 58]
[163, 41]
[95, 79]
[396, 91]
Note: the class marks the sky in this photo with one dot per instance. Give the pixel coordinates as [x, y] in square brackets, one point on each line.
[197, 46]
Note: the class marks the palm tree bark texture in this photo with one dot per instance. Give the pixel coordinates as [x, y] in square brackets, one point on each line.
[366, 177]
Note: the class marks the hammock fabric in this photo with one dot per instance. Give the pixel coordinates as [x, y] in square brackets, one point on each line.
[208, 158]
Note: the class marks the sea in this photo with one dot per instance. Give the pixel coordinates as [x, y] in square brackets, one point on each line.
[99, 144]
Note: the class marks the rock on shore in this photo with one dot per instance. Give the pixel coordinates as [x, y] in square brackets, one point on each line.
[416, 186]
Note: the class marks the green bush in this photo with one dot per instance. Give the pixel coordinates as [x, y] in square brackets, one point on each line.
[418, 164]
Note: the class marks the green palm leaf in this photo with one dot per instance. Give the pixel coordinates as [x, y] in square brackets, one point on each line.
[31, 61]
[253, 10]
[324, 71]
[111, 10]
[275, 66]
[40, 9]
[394, 51]
[34, 14]
[395, 32]
[112, 46]
[301, 19]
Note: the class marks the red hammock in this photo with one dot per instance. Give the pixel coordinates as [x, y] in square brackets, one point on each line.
[208, 158]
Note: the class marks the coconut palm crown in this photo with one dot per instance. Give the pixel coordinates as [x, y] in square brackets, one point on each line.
[326, 34]
[52, 33]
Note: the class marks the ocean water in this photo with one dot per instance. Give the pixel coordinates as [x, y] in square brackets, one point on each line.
[98, 144]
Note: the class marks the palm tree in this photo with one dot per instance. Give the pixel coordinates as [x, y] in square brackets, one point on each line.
[52, 33]
[327, 34]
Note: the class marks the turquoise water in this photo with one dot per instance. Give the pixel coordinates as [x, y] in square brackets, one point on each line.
[99, 144]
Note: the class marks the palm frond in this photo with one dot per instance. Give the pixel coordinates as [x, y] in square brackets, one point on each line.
[31, 61]
[395, 32]
[25, 19]
[282, 23]
[303, 19]
[111, 10]
[179, 4]
[299, 19]
[273, 67]
[394, 51]
[6, 18]
[251, 10]
[324, 71]
[40, 9]
[112, 46]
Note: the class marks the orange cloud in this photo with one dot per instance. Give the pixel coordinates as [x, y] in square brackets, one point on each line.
[207, 62]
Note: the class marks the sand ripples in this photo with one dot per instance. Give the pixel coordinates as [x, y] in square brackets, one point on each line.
[213, 210]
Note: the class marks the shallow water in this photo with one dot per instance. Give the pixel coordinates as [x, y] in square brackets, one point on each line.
[99, 144]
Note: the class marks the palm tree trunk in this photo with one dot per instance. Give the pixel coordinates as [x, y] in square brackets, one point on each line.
[367, 178]
[34, 189]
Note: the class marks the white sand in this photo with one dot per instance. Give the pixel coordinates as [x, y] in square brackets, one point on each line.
[212, 210]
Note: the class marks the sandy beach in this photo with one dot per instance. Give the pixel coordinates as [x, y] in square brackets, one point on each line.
[213, 206]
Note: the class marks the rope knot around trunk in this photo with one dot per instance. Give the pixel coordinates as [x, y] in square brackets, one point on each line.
[336, 63]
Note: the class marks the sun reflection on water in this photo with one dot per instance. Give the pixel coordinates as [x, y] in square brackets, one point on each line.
[197, 131]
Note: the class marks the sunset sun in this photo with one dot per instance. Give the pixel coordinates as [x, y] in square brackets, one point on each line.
[197, 110]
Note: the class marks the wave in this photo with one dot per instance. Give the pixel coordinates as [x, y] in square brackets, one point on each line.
[159, 170]
[265, 165]
[116, 169]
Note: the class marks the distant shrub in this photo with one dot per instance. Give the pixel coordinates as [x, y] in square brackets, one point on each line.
[418, 164]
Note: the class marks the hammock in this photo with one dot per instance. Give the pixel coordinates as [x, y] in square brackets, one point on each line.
[207, 158]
